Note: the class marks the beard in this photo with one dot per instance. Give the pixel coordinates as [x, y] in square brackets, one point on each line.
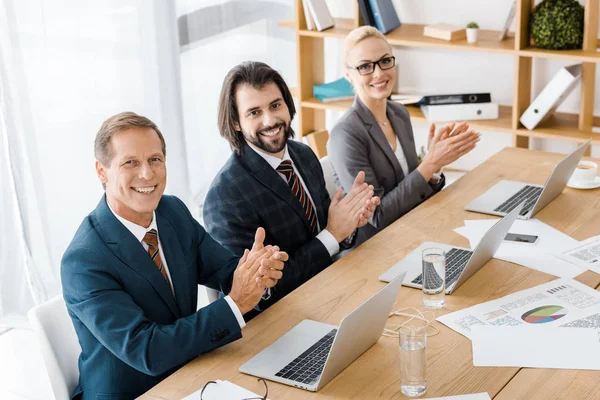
[265, 144]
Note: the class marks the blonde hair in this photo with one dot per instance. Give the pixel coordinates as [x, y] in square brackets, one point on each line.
[358, 35]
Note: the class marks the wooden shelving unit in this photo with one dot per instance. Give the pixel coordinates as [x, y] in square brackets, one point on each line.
[561, 126]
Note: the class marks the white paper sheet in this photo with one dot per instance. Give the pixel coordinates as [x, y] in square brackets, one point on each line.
[541, 256]
[585, 254]
[222, 390]
[562, 302]
[535, 347]
[477, 396]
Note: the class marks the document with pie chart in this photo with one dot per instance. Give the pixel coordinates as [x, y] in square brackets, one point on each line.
[562, 303]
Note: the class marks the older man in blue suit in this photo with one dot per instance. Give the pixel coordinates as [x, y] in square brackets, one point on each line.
[130, 276]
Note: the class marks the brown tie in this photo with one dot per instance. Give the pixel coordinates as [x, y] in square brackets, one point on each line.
[151, 239]
[294, 183]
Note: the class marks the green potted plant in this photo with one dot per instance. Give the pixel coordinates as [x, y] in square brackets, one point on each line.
[557, 25]
[472, 32]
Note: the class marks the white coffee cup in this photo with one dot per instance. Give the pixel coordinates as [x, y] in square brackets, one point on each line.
[585, 172]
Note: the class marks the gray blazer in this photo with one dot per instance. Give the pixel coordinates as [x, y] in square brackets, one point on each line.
[357, 143]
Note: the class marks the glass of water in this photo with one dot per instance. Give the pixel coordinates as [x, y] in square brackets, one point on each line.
[434, 277]
[413, 360]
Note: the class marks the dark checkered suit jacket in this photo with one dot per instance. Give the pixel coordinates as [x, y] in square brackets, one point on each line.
[248, 193]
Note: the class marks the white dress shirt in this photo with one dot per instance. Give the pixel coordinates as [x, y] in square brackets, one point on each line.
[324, 236]
[139, 232]
[401, 157]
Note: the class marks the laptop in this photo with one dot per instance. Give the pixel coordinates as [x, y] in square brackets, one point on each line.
[312, 353]
[505, 195]
[461, 263]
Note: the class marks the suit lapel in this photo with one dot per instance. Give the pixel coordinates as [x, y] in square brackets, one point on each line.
[126, 247]
[271, 180]
[402, 131]
[378, 136]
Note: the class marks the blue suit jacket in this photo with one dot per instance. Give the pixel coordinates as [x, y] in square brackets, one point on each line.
[248, 193]
[132, 330]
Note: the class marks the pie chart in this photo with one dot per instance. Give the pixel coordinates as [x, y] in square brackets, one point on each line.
[544, 314]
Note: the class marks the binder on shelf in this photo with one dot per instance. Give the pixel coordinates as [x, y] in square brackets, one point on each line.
[337, 90]
[435, 100]
[460, 112]
[509, 21]
[551, 96]
[310, 25]
[445, 32]
[320, 14]
[365, 11]
[384, 14]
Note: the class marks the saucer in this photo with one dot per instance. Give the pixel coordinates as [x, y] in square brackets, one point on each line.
[584, 184]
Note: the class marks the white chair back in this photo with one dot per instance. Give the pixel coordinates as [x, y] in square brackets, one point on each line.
[59, 345]
[328, 174]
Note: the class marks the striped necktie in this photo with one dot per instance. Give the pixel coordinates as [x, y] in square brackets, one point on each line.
[294, 183]
[151, 239]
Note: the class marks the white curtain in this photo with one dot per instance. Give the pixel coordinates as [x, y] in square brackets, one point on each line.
[65, 66]
[215, 36]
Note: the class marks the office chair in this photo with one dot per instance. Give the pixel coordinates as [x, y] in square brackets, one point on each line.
[328, 174]
[59, 345]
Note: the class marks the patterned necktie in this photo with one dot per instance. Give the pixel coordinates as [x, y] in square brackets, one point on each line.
[151, 239]
[294, 183]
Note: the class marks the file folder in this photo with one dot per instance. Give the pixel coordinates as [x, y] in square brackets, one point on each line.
[460, 112]
[550, 98]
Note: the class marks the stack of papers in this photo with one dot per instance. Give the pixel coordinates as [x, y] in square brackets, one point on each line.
[553, 325]
[535, 347]
[586, 254]
[222, 390]
[543, 255]
[478, 396]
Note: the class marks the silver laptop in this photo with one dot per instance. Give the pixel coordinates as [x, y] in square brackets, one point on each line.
[505, 195]
[312, 353]
[461, 263]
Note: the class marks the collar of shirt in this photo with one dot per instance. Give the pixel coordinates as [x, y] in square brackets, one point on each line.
[137, 230]
[272, 160]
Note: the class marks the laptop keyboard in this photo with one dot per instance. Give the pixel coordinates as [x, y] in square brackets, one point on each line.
[529, 193]
[307, 367]
[456, 259]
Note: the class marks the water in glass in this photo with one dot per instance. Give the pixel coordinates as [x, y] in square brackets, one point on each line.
[434, 278]
[413, 361]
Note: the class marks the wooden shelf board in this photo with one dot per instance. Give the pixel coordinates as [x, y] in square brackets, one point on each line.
[288, 23]
[562, 126]
[502, 124]
[411, 35]
[576, 55]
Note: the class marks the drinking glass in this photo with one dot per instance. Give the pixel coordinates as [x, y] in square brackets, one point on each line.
[413, 360]
[434, 277]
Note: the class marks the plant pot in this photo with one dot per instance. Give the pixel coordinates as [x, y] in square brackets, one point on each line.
[472, 35]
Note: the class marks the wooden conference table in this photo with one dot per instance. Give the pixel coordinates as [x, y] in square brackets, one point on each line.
[335, 292]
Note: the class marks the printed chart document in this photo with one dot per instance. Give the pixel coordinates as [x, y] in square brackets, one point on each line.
[222, 390]
[477, 396]
[543, 255]
[563, 302]
[535, 346]
[586, 254]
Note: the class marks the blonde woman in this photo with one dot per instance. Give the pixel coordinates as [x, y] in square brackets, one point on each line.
[375, 136]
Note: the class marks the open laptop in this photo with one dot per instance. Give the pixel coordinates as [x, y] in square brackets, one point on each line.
[461, 263]
[312, 353]
[505, 195]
